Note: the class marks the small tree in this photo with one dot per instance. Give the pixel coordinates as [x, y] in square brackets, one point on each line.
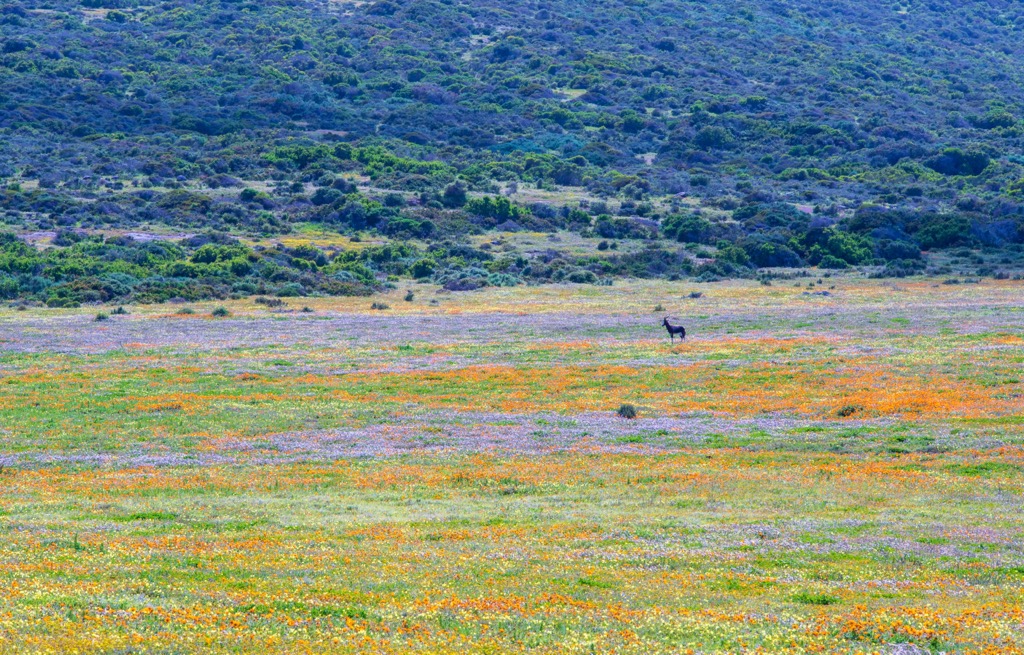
[454, 195]
[423, 268]
[712, 137]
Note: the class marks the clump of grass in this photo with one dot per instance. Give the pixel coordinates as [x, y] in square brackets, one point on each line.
[101, 316]
[633, 438]
[220, 312]
[595, 583]
[809, 598]
[627, 411]
[696, 294]
[120, 311]
[659, 308]
[144, 516]
[409, 296]
[380, 306]
[306, 309]
[186, 311]
[985, 469]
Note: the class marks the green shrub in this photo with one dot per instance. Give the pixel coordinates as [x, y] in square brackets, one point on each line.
[731, 254]
[846, 247]
[832, 262]
[454, 195]
[713, 137]
[423, 268]
[955, 161]
[627, 411]
[945, 231]
[687, 227]
[497, 207]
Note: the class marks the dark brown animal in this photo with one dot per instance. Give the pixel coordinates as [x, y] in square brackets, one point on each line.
[673, 330]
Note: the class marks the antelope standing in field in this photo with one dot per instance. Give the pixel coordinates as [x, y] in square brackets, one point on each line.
[673, 330]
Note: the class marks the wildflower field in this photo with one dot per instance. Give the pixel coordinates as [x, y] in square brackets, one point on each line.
[807, 473]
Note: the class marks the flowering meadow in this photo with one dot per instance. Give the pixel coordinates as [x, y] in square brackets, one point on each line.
[807, 473]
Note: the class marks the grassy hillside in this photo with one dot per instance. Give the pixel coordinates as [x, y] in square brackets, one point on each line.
[763, 134]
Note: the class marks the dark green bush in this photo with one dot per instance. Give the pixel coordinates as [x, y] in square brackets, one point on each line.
[944, 231]
[687, 227]
[955, 161]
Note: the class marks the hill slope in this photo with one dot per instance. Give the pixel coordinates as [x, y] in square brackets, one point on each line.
[897, 119]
